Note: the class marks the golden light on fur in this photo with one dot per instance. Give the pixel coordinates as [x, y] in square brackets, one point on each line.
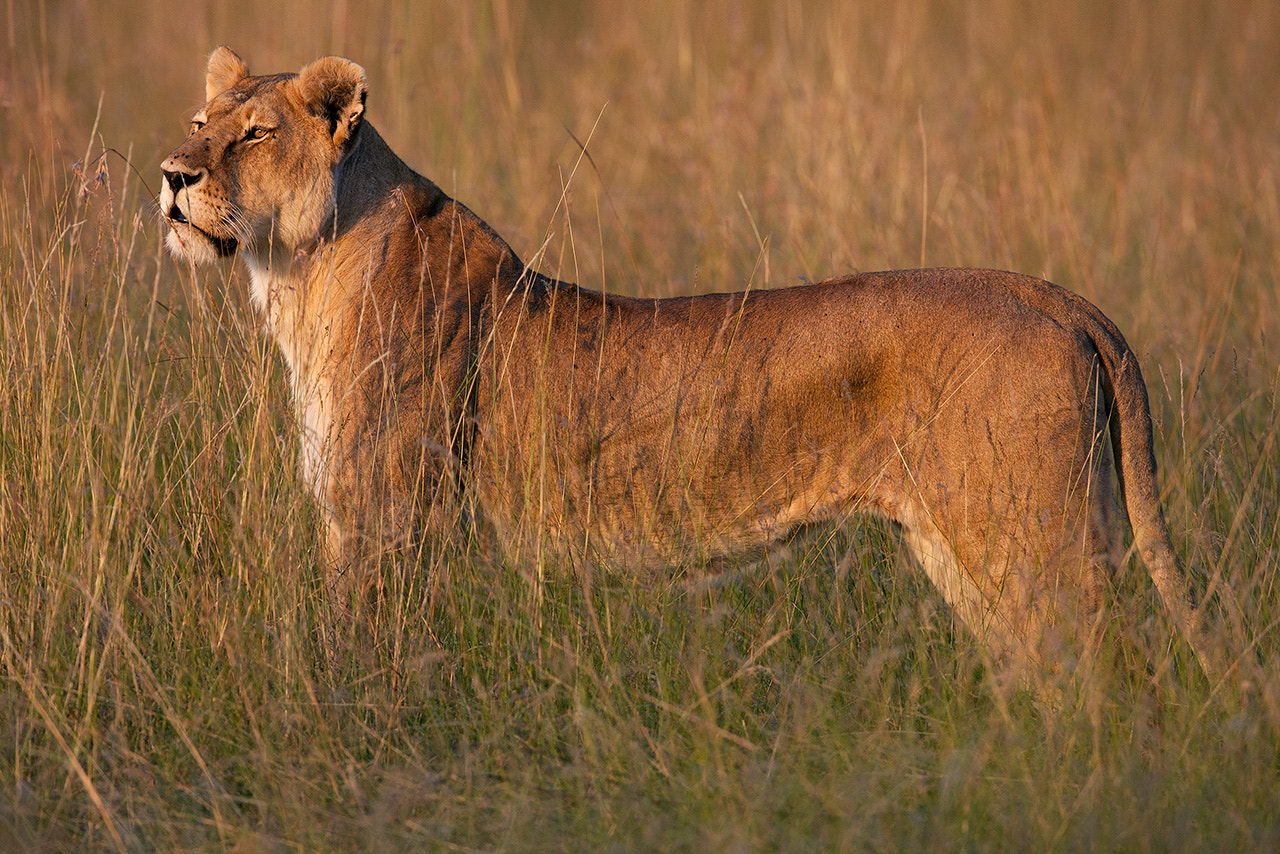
[979, 410]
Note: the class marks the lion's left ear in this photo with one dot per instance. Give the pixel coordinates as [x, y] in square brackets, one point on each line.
[334, 89]
[225, 70]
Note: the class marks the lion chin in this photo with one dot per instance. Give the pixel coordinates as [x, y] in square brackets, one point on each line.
[192, 244]
[441, 385]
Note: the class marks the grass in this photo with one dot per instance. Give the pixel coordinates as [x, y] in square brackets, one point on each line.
[171, 678]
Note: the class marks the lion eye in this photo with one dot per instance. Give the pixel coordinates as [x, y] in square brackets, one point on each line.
[256, 133]
[196, 125]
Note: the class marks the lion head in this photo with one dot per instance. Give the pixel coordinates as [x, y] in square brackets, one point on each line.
[256, 172]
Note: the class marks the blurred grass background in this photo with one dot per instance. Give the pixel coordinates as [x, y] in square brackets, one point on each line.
[171, 679]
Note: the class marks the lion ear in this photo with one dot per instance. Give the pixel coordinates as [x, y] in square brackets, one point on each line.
[334, 89]
[225, 70]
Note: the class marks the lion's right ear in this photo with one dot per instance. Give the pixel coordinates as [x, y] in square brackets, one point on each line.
[334, 89]
[225, 70]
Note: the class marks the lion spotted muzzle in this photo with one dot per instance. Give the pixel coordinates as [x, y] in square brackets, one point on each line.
[179, 178]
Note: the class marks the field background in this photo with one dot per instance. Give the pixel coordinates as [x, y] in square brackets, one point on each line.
[170, 679]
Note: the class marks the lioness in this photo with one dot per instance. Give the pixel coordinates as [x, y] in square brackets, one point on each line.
[971, 407]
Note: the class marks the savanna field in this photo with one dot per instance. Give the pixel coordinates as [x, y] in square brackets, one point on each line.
[171, 676]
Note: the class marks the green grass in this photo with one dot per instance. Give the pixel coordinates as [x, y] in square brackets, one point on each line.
[170, 677]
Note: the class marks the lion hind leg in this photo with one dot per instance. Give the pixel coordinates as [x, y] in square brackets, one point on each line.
[967, 598]
[1015, 605]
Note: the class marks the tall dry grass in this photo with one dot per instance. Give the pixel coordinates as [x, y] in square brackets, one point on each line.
[171, 678]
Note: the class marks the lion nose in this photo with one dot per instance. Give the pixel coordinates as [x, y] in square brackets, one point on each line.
[179, 176]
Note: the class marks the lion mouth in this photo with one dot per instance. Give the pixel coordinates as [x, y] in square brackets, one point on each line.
[224, 246]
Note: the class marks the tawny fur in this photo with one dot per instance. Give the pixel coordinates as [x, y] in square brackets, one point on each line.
[977, 409]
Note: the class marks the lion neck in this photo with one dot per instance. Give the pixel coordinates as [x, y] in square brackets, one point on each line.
[301, 289]
[394, 255]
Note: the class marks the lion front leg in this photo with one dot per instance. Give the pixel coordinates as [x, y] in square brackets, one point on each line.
[344, 563]
[383, 522]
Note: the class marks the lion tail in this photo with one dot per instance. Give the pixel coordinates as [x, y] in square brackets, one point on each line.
[1131, 440]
